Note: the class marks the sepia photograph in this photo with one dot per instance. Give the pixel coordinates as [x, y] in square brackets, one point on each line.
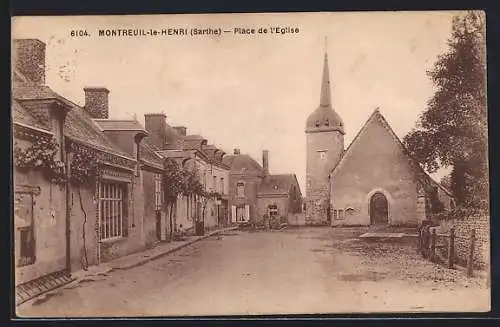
[257, 164]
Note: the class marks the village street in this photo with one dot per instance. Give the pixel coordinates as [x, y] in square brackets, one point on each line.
[308, 270]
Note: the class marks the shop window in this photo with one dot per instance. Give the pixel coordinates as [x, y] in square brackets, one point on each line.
[112, 210]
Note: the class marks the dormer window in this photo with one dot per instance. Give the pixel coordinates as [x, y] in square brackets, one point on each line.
[317, 123]
[275, 187]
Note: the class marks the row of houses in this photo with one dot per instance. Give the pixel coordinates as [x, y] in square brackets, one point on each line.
[111, 200]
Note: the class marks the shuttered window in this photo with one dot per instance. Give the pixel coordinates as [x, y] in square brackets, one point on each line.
[112, 211]
[158, 192]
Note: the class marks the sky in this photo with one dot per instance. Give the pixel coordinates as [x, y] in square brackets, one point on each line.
[251, 91]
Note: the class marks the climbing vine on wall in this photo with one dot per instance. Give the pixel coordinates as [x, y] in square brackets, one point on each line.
[40, 155]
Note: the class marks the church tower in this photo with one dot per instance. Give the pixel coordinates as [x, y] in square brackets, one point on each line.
[325, 145]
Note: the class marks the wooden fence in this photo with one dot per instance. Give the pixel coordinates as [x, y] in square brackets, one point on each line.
[440, 248]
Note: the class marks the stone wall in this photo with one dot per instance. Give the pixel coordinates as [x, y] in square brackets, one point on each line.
[463, 227]
[375, 163]
[49, 223]
[324, 150]
[281, 202]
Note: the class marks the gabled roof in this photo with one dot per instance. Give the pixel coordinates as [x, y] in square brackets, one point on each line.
[377, 115]
[242, 163]
[23, 116]
[149, 156]
[277, 184]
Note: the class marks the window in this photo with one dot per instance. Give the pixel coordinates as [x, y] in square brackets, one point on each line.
[27, 246]
[273, 210]
[240, 189]
[215, 184]
[341, 214]
[222, 185]
[327, 122]
[335, 214]
[23, 219]
[204, 180]
[158, 192]
[349, 212]
[322, 154]
[112, 210]
[317, 123]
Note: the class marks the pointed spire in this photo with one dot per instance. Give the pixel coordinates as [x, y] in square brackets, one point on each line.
[325, 99]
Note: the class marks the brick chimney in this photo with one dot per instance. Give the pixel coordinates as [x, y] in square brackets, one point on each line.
[181, 130]
[96, 102]
[265, 162]
[236, 152]
[156, 126]
[28, 57]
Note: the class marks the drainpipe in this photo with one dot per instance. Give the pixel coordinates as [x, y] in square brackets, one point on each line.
[66, 158]
[68, 212]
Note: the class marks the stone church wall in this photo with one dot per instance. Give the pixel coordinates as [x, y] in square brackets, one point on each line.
[318, 169]
[376, 162]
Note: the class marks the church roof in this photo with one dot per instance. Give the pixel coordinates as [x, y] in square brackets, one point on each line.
[242, 163]
[324, 118]
[277, 184]
[377, 115]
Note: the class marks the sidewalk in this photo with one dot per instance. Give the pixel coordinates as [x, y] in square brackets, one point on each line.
[133, 260]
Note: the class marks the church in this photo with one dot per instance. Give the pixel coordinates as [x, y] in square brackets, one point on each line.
[373, 181]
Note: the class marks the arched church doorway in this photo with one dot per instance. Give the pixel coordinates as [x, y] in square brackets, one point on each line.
[379, 210]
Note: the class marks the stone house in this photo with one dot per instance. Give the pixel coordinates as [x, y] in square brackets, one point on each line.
[373, 181]
[193, 152]
[254, 192]
[59, 227]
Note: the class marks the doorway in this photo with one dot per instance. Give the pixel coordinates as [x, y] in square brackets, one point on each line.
[158, 225]
[379, 210]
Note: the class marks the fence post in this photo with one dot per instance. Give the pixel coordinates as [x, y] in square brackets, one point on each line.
[433, 245]
[451, 248]
[470, 257]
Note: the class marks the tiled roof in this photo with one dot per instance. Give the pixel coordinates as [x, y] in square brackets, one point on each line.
[241, 162]
[119, 125]
[23, 116]
[277, 184]
[78, 124]
[149, 155]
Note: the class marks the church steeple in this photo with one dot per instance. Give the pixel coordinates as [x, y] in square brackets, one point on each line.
[324, 118]
[325, 98]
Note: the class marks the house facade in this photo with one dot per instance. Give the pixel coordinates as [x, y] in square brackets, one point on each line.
[110, 205]
[255, 193]
[373, 181]
[193, 152]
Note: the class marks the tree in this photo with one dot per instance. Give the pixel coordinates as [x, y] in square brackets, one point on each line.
[178, 181]
[452, 131]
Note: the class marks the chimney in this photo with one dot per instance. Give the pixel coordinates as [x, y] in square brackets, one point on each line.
[96, 102]
[156, 125]
[28, 57]
[180, 129]
[265, 162]
[236, 152]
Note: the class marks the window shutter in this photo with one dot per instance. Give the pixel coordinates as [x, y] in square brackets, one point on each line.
[233, 214]
[247, 212]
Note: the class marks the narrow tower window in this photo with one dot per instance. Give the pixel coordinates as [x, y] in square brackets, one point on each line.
[327, 122]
